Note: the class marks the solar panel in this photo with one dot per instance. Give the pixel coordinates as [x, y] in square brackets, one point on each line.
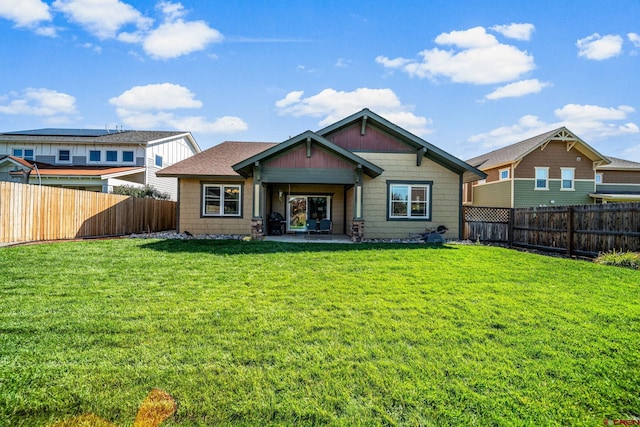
[63, 132]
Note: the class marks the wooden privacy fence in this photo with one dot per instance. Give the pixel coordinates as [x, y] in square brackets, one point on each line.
[584, 230]
[35, 213]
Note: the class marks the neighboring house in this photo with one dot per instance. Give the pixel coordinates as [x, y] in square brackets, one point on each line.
[618, 181]
[93, 159]
[554, 168]
[370, 177]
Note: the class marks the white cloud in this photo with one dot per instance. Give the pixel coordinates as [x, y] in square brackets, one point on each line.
[102, 18]
[173, 39]
[150, 106]
[517, 89]
[163, 96]
[589, 122]
[515, 31]
[25, 13]
[330, 106]
[40, 102]
[599, 47]
[342, 63]
[479, 59]
[634, 38]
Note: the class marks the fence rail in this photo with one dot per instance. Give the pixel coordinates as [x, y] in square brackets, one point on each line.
[584, 230]
[36, 213]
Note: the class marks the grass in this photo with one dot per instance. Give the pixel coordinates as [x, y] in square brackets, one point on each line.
[620, 259]
[263, 333]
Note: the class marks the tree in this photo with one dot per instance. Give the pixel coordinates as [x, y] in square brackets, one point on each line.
[148, 191]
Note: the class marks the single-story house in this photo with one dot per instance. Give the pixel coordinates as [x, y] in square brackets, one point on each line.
[366, 175]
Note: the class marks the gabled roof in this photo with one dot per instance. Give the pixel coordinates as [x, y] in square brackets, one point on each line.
[245, 167]
[95, 136]
[620, 164]
[18, 161]
[216, 161]
[431, 151]
[519, 150]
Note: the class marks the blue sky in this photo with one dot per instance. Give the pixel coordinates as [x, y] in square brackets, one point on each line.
[467, 76]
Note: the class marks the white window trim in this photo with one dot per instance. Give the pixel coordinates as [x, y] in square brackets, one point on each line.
[222, 188]
[106, 159]
[155, 161]
[23, 150]
[94, 161]
[507, 170]
[535, 179]
[59, 160]
[133, 156]
[573, 179]
[410, 185]
[601, 175]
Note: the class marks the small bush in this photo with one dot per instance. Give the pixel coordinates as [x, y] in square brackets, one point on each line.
[148, 191]
[620, 259]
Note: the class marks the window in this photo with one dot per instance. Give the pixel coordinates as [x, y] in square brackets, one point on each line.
[94, 156]
[127, 156]
[112, 156]
[410, 200]
[567, 175]
[542, 179]
[23, 153]
[599, 178]
[221, 200]
[64, 156]
[504, 174]
[158, 161]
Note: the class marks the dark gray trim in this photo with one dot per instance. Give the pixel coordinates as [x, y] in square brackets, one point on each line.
[409, 182]
[243, 167]
[202, 215]
[434, 153]
[460, 209]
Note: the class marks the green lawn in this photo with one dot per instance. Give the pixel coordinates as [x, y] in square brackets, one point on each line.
[261, 333]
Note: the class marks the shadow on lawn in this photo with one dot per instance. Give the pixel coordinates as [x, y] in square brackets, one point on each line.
[239, 247]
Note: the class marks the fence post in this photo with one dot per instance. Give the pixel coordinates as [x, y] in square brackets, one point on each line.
[510, 230]
[570, 231]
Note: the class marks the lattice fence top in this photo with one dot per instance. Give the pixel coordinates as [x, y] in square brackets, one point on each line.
[481, 214]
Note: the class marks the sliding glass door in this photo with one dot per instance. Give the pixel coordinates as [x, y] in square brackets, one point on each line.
[302, 208]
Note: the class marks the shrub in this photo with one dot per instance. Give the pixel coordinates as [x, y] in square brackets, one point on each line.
[620, 259]
[147, 191]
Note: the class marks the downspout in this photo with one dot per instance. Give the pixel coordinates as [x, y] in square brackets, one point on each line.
[460, 208]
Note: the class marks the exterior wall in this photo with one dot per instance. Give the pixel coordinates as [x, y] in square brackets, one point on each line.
[48, 152]
[445, 198]
[352, 139]
[496, 194]
[190, 208]
[526, 196]
[556, 156]
[620, 177]
[618, 188]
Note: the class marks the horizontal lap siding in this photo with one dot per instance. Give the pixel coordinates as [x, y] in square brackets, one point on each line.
[526, 196]
[496, 194]
[190, 209]
[445, 198]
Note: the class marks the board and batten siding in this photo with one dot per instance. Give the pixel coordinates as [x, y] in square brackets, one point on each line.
[190, 209]
[445, 198]
[496, 194]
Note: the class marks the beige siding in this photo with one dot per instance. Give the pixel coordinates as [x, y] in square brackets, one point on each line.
[445, 199]
[190, 206]
[495, 194]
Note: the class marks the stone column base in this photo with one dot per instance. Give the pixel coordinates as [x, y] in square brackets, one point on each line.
[256, 229]
[357, 230]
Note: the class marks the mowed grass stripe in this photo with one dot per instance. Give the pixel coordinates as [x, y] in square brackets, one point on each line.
[262, 333]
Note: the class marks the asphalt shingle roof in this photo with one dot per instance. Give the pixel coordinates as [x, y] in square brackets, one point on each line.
[217, 160]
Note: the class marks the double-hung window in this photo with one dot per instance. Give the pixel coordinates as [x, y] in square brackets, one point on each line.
[504, 174]
[567, 176]
[542, 178]
[409, 200]
[64, 156]
[221, 200]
